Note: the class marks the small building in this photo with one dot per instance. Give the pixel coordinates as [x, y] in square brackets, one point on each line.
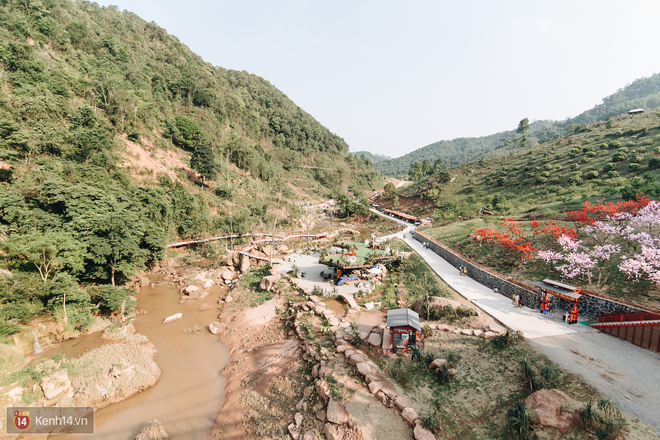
[404, 328]
[636, 111]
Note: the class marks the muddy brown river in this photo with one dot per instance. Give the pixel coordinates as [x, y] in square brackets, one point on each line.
[188, 396]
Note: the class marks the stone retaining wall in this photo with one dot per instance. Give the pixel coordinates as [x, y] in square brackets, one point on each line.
[589, 306]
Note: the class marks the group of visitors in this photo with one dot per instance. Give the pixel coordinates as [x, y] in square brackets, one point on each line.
[426, 245]
[516, 300]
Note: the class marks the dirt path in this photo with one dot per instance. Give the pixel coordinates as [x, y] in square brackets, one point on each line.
[374, 421]
[619, 370]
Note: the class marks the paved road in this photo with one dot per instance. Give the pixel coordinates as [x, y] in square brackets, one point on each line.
[618, 370]
[532, 323]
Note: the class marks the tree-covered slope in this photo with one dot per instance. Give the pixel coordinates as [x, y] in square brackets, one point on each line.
[642, 93]
[115, 138]
[374, 158]
[461, 150]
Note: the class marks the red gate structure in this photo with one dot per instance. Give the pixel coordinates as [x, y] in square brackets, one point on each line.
[563, 291]
[641, 329]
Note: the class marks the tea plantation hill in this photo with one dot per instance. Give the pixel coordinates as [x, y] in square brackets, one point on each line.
[602, 161]
[115, 138]
[641, 93]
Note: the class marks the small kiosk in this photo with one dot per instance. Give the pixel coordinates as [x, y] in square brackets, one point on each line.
[563, 291]
[404, 327]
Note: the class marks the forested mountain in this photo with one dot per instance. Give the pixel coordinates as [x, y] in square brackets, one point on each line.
[115, 138]
[374, 158]
[642, 93]
[462, 150]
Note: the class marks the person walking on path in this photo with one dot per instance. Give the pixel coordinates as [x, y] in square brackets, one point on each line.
[514, 300]
[519, 301]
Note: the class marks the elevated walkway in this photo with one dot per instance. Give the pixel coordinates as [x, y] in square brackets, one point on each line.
[641, 329]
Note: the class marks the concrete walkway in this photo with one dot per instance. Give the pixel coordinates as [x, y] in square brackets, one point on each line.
[619, 370]
[532, 323]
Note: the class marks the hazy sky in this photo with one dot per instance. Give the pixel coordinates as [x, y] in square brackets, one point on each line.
[391, 77]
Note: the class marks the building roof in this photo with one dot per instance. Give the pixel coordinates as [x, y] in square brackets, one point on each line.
[636, 110]
[562, 285]
[558, 291]
[403, 318]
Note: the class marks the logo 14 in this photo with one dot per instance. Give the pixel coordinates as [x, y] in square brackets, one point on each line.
[22, 420]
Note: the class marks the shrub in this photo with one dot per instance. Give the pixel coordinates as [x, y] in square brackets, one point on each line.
[629, 144]
[609, 167]
[638, 158]
[559, 157]
[520, 419]
[585, 160]
[547, 167]
[501, 181]
[656, 150]
[614, 174]
[575, 167]
[614, 144]
[603, 146]
[545, 174]
[634, 167]
[575, 179]
[558, 168]
[588, 148]
[591, 175]
[654, 162]
[619, 157]
[489, 180]
[541, 180]
[574, 152]
[591, 154]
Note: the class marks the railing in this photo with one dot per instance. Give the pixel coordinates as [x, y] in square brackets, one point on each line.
[624, 317]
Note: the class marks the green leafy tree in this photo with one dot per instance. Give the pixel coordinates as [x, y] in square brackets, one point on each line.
[202, 160]
[115, 245]
[64, 296]
[49, 252]
[390, 191]
[523, 126]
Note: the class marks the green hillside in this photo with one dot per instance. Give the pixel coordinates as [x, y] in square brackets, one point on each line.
[642, 93]
[463, 150]
[115, 138]
[374, 158]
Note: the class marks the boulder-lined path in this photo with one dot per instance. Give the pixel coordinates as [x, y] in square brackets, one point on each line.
[619, 370]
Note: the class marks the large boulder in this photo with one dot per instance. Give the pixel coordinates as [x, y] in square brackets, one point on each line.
[497, 329]
[55, 384]
[336, 413]
[401, 403]
[268, 282]
[437, 363]
[375, 339]
[190, 290]
[363, 368]
[333, 432]
[356, 359]
[244, 264]
[409, 415]
[227, 275]
[487, 335]
[546, 405]
[215, 328]
[422, 434]
[173, 318]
